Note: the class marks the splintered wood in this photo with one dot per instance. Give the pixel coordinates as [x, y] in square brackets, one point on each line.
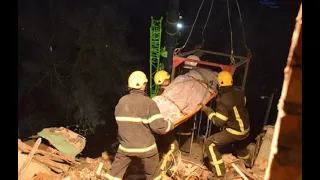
[26, 149]
[28, 159]
[50, 164]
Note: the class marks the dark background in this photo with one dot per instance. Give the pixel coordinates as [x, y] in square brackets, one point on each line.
[75, 57]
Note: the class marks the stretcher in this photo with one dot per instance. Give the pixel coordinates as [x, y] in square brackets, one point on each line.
[180, 59]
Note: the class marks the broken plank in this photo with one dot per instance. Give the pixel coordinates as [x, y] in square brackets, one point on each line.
[26, 149]
[29, 158]
[244, 171]
[50, 163]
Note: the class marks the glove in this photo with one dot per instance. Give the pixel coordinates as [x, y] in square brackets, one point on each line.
[207, 110]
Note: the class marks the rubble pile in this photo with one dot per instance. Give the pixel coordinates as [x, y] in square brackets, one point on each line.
[50, 164]
[183, 169]
[260, 168]
[38, 161]
[57, 161]
[187, 170]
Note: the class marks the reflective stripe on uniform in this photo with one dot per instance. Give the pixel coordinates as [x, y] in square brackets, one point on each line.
[155, 117]
[218, 115]
[245, 101]
[137, 119]
[221, 116]
[236, 113]
[169, 126]
[244, 157]
[215, 162]
[211, 115]
[129, 119]
[138, 150]
[108, 176]
[240, 122]
[232, 131]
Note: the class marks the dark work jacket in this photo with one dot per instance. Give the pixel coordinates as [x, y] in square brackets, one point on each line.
[231, 111]
[138, 117]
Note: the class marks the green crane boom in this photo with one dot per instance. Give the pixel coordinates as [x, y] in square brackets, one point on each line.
[155, 45]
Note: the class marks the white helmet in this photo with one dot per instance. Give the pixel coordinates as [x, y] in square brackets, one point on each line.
[190, 65]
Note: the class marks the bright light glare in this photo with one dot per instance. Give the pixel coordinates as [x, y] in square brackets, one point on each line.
[179, 25]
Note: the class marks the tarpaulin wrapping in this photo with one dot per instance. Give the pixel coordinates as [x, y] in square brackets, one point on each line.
[185, 92]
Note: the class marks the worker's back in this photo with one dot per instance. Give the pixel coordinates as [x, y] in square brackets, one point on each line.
[138, 117]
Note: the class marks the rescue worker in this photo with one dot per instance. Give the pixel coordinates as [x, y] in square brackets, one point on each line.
[162, 78]
[138, 117]
[231, 114]
[168, 143]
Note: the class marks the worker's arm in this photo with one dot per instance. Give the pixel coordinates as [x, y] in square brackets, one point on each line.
[220, 117]
[156, 121]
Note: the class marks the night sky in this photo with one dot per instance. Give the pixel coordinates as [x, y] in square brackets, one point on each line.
[46, 35]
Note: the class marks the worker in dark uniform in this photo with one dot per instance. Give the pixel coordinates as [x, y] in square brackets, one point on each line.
[167, 144]
[138, 117]
[231, 114]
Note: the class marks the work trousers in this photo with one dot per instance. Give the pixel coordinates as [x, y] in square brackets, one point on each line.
[122, 161]
[214, 143]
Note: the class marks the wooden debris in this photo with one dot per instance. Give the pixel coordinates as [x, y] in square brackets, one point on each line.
[49, 163]
[245, 171]
[29, 158]
[26, 149]
[34, 167]
[239, 171]
[44, 176]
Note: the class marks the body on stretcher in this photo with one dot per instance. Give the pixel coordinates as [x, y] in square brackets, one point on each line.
[184, 94]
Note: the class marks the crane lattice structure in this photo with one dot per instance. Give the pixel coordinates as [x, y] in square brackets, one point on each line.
[155, 45]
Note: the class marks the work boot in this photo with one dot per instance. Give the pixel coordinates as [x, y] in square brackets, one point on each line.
[249, 162]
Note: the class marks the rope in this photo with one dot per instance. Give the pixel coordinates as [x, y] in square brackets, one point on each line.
[201, 83]
[204, 81]
[184, 113]
[178, 164]
[178, 161]
[177, 50]
[243, 32]
[205, 25]
[231, 37]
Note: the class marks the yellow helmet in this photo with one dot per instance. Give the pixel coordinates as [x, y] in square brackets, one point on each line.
[161, 76]
[137, 79]
[225, 79]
